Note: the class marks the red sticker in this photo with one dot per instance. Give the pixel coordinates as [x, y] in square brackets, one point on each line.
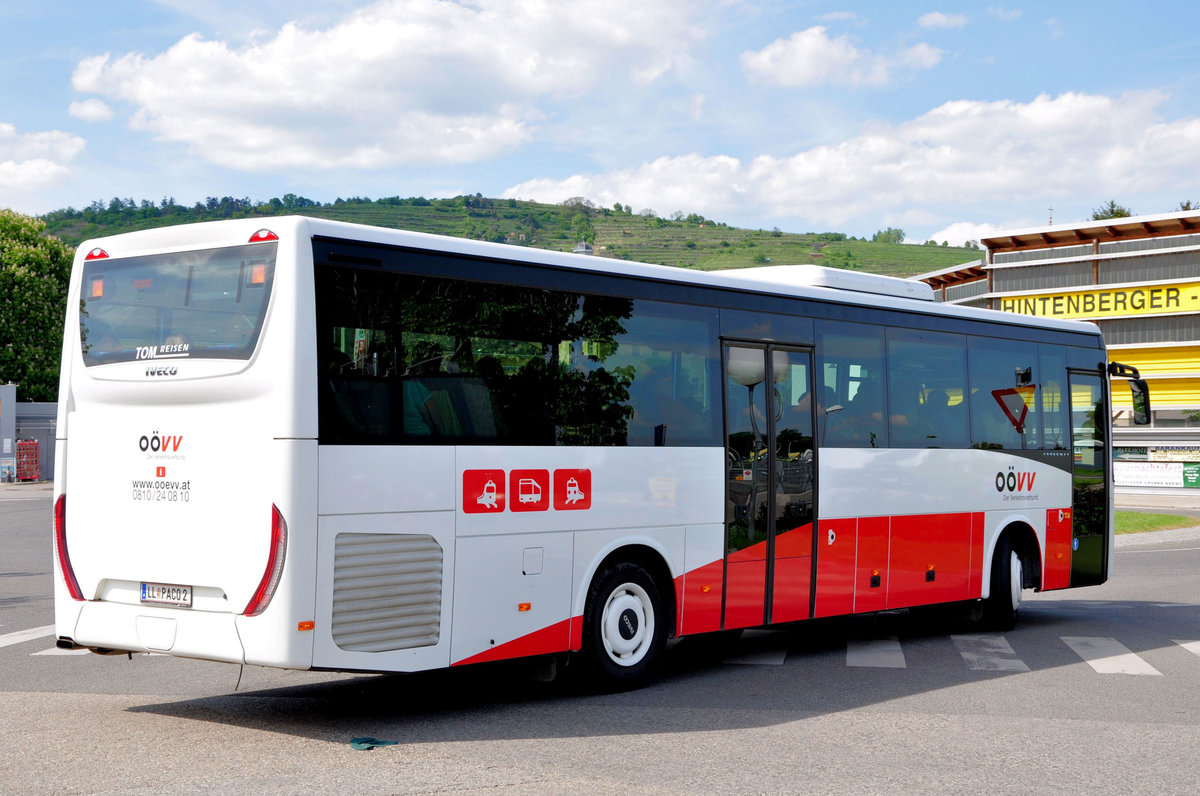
[483, 491]
[572, 490]
[160, 472]
[530, 490]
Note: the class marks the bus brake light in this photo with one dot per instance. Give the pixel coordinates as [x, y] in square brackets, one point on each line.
[270, 579]
[60, 540]
[262, 235]
[96, 254]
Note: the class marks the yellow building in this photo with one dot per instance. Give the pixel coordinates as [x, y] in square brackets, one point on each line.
[1138, 278]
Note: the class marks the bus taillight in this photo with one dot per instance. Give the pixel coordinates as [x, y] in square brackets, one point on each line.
[96, 254]
[263, 234]
[270, 579]
[60, 541]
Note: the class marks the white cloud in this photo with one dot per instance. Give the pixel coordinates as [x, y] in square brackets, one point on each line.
[1004, 14]
[940, 20]
[1000, 158]
[398, 82]
[29, 161]
[92, 110]
[811, 58]
[960, 232]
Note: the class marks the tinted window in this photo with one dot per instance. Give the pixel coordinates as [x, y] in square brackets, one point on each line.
[1003, 385]
[851, 373]
[432, 360]
[203, 304]
[927, 380]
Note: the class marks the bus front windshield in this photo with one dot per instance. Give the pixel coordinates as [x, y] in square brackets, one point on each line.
[206, 304]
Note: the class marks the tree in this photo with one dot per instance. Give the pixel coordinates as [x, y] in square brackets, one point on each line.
[889, 235]
[1188, 204]
[1110, 210]
[34, 270]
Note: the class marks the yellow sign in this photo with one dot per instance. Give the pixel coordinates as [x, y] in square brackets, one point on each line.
[1101, 302]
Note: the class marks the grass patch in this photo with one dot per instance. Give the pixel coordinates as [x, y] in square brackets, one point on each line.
[1139, 522]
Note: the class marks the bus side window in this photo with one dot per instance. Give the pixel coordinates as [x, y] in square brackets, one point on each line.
[852, 356]
[1004, 410]
[924, 370]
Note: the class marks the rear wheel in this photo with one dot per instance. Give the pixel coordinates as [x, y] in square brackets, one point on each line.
[625, 627]
[1008, 575]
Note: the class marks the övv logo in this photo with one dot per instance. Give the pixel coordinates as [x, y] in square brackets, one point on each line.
[158, 443]
[1015, 481]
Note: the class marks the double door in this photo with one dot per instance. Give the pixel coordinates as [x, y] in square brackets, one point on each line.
[770, 489]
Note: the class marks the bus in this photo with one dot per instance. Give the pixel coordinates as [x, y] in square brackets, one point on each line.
[306, 444]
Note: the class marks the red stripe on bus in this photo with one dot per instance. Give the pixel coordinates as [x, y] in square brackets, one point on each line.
[555, 638]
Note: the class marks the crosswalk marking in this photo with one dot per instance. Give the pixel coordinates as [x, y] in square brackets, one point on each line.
[21, 636]
[989, 654]
[1108, 656]
[882, 653]
[1191, 646]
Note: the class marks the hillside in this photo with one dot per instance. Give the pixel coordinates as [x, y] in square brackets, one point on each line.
[689, 242]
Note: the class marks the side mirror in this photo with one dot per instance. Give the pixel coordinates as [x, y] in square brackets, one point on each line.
[1141, 392]
[1141, 402]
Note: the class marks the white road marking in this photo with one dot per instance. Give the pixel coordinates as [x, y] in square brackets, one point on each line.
[989, 654]
[21, 636]
[1108, 656]
[1191, 646]
[57, 651]
[884, 653]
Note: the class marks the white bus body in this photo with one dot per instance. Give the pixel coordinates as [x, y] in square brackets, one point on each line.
[225, 490]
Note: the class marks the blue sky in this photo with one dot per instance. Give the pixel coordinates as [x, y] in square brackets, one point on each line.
[948, 121]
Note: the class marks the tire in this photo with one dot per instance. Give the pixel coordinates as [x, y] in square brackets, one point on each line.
[625, 627]
[1000, 608]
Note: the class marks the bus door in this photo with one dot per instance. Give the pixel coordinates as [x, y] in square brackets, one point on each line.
[1089, 491]
[769, 491]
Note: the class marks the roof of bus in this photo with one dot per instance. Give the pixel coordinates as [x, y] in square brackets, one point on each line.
[772, 280]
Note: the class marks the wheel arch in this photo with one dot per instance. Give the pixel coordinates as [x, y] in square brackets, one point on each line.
[1023, 540]
[649, 558]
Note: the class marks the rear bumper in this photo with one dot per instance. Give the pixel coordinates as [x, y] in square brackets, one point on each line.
[135, 628]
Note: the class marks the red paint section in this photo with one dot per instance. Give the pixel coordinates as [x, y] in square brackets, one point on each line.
[836, 547]
[975, 578]
[930, 559]
[555, 638]
[576, 642]
[745, 592]
[699, 598]
[1056, 571]
[793, 577]
[871, 567]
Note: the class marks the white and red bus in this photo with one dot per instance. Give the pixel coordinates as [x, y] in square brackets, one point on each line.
[328, 446]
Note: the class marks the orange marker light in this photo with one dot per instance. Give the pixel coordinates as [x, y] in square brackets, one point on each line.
[525, 606]
[705, 589]
[306, 625]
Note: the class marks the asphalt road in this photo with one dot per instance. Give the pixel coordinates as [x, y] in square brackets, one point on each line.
[1096, 690]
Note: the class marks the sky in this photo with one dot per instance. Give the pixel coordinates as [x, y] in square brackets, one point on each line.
[949, 121]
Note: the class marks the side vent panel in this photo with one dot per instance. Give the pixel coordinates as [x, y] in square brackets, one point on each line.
[387, 591]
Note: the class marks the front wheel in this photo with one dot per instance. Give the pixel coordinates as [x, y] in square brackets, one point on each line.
[625, 627]
[1008, 575]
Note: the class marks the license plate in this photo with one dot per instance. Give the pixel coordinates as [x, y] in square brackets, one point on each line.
[167, 594]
